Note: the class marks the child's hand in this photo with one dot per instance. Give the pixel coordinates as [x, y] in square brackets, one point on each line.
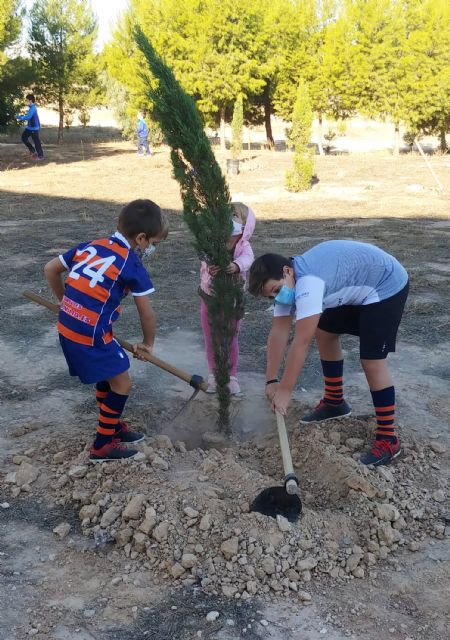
[271, 390]
[140, 349]
[213, 269]
[232, 268]
[281, 401]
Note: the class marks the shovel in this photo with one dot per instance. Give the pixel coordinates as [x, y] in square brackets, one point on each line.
[281, 501]
[195, 381]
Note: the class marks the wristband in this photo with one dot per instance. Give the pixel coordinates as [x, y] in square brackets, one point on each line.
[272, 381]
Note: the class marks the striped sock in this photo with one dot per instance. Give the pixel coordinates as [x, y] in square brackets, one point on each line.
[384, 403]
[110, 411]
[101, 391]
[333, 379]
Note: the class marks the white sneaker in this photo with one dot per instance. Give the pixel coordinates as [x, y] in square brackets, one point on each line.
[234, 387]
[212, 387]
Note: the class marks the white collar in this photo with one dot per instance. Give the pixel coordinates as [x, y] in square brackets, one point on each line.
[122, 238]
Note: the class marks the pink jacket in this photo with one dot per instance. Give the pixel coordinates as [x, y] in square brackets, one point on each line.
[243, 255]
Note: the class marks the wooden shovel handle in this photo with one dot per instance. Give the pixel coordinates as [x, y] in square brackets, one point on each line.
[194, 381]
[290, 477]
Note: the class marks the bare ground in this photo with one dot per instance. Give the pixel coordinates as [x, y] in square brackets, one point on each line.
[76, 195]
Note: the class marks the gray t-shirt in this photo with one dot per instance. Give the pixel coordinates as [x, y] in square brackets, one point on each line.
[342, 272]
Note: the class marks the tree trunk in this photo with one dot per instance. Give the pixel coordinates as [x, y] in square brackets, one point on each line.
[249, 140]
[319, 144]
[61, 117]
[396, 149]
[223, 145]
[267, 114]
[442, 141]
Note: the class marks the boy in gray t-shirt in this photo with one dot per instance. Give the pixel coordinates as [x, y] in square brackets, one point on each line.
[337, 287]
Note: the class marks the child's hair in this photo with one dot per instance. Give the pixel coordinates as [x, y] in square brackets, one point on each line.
[31, 97]
[143, 216]
[266, 267]
[240, 209]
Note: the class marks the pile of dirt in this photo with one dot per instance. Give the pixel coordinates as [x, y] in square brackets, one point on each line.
[185, 514]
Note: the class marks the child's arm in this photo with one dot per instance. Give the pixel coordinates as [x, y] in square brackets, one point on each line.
[304, 333]
[245, 260]
[276, 345]
[53, 271]
[148, 324]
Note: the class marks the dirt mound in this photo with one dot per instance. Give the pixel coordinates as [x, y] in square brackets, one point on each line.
[185, 514]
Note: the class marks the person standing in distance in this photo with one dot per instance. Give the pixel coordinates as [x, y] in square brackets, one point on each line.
[32, 128]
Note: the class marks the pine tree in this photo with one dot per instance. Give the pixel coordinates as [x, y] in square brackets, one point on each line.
[237, 126]
[299, 177]
[206, 206]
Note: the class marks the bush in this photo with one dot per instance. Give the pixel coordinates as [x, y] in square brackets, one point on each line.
[299, 178]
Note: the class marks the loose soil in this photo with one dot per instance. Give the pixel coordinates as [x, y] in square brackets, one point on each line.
[151, 546]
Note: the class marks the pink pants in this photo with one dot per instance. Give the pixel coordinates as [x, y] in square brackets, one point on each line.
[234, 348]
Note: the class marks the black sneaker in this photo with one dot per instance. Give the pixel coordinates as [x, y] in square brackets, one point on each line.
[325, 411]
[381, 452]
[127, 435]
[111, 451]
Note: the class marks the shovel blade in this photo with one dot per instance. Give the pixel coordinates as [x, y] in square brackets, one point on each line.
[274, 501]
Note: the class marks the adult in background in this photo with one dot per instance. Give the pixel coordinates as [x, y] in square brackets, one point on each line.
[32, 128]
[142, 133]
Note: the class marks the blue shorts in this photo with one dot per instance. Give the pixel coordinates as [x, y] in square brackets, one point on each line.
[94, 364]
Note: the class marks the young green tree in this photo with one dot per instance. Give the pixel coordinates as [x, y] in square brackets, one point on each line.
[299, 177]
[237, 126]
[206, 206]
[61, 37]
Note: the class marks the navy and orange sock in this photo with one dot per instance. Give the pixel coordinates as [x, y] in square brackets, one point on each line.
[108, 423]
[384, 403]
[333, 371]
[101, 391]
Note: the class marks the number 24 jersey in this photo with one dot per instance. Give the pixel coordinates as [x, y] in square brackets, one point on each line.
[101, 273]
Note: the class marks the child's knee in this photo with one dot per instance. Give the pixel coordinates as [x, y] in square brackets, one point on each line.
[121, 384]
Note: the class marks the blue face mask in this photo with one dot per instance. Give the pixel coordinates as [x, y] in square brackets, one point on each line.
[286, 295]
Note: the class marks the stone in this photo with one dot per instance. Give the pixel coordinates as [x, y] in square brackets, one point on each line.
[161, 532]
[438, 495]
[352, 562]
[5, 505]
[283, 523]
[359, 572]
[26, 474]
[305, 544]
[147, 525]
[268, 565]
[78, 471]
[304, 596]
[188, 560]
[264, 623]
[176, 570]
[229, 548]
[140, 539]
[388, 535]
[60, 456]
[438, 447]
[89, 511]
[358, 483]
[208, 465]
[229, 590]
[159, 463]
[414, 545]
[133, 509]
[335, 438]
[163, 442]
[385, 473]
[62, 530]
[190, 512]
[62, 481]
[212, 615]
[10, 477]
[354, 444]
[123, 536]
[205, 523]
[109, 517]
[307, 564]
[387, 512]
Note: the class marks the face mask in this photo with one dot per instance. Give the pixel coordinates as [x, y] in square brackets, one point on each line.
[286, 295]
[146, 253]
[237, 228]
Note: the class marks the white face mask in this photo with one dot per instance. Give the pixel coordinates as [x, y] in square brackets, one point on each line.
[146, 253]
[237, 228]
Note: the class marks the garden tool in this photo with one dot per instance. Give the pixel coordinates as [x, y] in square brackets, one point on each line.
[195, 381]
[283, 501]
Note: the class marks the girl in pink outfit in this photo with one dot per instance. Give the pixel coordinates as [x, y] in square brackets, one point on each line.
[242, 257]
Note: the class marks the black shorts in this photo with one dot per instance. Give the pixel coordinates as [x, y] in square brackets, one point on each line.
[376, 324]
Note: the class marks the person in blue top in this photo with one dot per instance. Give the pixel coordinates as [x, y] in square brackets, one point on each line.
[142, 133]
[32, 128]
[337, 287]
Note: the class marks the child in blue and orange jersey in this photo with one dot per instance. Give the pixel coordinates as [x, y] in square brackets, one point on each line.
[101, 273]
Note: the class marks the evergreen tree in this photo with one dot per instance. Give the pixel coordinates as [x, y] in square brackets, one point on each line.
[237, 126]
[299, 177]
[61, 37]
[206, 206]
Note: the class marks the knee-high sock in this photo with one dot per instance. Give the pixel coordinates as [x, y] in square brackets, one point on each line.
[333, 371]
[110, 411]
[384, 403]
[101, 391]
